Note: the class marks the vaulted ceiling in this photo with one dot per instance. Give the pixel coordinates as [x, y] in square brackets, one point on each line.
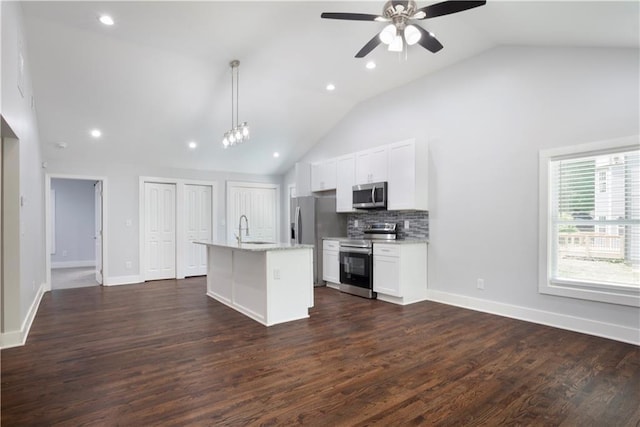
[160, 78]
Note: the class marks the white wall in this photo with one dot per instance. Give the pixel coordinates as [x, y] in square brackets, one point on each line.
[74, 221]
[122, 204]
[18, 113]
[485, 120]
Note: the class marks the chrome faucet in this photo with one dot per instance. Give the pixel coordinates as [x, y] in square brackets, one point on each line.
[239, 236]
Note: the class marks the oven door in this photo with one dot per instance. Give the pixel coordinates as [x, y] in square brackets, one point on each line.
[356, 266]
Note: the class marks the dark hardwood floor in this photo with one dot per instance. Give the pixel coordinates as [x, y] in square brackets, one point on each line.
[165, 354]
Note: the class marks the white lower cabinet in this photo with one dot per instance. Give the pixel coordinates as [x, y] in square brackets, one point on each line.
[400, 272]
[331, 263]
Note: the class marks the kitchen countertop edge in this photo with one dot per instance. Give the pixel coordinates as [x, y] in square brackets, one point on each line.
[248, 246]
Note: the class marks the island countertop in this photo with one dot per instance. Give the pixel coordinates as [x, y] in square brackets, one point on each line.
[255, 247]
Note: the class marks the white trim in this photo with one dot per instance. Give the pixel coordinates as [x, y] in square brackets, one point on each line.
[19, 338]
[594, 292]
[47, 208]
[123, 280]
[561, 321]
[73, 264]
[180, 229]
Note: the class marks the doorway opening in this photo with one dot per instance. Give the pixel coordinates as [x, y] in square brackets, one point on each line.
[75, 231]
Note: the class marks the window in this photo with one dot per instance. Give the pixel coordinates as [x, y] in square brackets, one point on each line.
[590, 238]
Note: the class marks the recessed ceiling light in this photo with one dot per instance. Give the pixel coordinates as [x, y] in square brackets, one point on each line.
[331, 87]
[106, 20]
[276, 154]
[192, 145]
[371, 65]
[61, 145]
[96, 133]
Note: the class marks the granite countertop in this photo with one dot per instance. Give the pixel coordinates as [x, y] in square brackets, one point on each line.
[402, 241]
[392, 242]
[255, 247]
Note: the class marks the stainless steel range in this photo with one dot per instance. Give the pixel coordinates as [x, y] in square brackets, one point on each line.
[356, 260]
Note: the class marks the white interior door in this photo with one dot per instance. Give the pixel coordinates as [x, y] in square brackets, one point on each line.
[198, 209]
[160, 231]
[98, 229]
[259, 204]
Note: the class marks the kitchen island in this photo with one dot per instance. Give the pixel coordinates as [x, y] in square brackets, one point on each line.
[269, 282]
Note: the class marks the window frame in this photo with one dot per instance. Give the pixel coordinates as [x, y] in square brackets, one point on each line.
[608, 293]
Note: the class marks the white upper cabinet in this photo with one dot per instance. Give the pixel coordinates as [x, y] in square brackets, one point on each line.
[323, 175]
[407, 176]
[371, 165]
[346, 179]
[303, 179]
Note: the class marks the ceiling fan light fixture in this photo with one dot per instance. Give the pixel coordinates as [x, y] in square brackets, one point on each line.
[396, 45]
[388, 34]
[412, 35]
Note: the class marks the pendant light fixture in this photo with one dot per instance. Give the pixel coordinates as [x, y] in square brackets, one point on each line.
[239, 132]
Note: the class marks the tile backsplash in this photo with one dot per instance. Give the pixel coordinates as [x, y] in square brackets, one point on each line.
[418, 223]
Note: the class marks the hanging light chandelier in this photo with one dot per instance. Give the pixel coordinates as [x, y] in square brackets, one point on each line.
[239, 132]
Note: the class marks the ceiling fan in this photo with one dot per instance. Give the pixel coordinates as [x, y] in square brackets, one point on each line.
[401, 29]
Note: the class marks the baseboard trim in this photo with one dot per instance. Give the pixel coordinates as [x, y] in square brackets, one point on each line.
[547, 318]
[73, 264]
[122, 280]
[19, 338]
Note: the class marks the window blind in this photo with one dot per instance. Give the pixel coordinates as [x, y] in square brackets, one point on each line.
[595, 218]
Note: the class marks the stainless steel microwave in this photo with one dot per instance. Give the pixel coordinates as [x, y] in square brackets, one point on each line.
[370, 196]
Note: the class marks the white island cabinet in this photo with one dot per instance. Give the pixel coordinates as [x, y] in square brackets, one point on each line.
[270, 283]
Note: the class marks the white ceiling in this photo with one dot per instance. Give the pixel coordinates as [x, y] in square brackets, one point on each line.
[160, 78]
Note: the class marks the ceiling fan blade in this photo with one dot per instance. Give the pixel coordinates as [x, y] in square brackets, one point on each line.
[448, 7]
[349, 16]
[372, 44]
[428, 41]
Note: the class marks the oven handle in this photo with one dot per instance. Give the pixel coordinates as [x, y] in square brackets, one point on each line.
[347, 250]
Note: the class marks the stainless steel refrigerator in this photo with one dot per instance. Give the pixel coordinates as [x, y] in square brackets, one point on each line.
[314, 218]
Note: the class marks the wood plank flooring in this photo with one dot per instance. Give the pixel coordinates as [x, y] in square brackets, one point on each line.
[163, 353]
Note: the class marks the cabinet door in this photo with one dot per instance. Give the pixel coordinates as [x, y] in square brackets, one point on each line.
[386, 275]
[402, 176]
[316, 177]
[378, 164]
[363, 175]
[323, 175]
[329, 174]
[346, 178]
[331, 266]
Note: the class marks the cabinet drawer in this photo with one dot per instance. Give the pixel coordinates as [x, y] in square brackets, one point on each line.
[331, 245]
[386, 250]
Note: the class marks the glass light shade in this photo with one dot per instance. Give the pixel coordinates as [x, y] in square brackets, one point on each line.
[412, 35]
[245, 130]
[225, 142]
[238, 135]
[232, 138]
[388, 34]
[396, 45]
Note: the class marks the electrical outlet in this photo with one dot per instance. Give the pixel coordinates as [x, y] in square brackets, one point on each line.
[481, 284]
[406, 224]
[355, 222]
[276, 274]
[64, 253]
[128, 223]
[127, 264]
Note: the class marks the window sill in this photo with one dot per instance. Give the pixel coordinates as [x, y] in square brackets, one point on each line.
[612, 294]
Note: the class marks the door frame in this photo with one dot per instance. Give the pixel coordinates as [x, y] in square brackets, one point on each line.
[48, 214]
[245, 184]
[179, 217]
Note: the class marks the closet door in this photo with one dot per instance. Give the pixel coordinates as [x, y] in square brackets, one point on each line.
[198, 208]
[160, 231]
